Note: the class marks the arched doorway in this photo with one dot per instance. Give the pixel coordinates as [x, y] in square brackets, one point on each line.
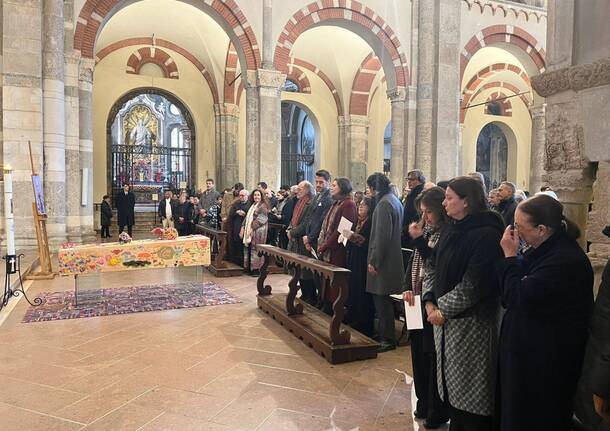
[298, 144]
[492, 155]
[387, 148]
[151, 143]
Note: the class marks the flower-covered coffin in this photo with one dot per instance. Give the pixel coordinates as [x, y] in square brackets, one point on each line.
[184, 251]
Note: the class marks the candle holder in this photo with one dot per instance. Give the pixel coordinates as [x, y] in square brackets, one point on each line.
[13, 266]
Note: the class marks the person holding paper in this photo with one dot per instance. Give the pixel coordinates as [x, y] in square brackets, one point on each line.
[425, 235]
[329, 248]
[461, 294]
[360, 309]
[548, 295]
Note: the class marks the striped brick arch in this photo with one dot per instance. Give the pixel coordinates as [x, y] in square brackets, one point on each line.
[304, 65]
[163, 44]
[152, 55]
[299, 77]
[501, 86]
[361, 87]
[226, 12]
[352, 15]
[503, 34]
[506, 107]
[231, 64]
[470, 91]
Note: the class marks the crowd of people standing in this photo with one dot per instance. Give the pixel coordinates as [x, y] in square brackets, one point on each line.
[506, 290]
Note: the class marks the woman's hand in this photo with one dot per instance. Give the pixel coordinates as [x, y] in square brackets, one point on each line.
[416, 230]
[347, 233]
[436, 318]
[409, 297]
[602, 408]
[510, 242]
[372, 270]
[241, 233]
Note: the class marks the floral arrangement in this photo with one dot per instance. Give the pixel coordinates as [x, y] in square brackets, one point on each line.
[124, 238]
[68, 244]
[169, 233]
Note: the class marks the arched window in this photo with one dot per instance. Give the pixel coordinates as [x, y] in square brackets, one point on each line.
[150, 144]
[290, 86]
[493, 108]
[387, 148]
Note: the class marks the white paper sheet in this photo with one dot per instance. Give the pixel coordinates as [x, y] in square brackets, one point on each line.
[344, 224]
[414, 315]
[314, 254]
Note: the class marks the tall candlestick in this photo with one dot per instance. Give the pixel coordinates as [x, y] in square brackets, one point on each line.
[8, 211]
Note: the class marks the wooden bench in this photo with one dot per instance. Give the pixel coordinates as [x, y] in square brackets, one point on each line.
[319, 331]
[219, 266]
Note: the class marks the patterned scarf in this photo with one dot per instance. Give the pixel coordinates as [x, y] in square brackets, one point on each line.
[298, 209]
[417, 266]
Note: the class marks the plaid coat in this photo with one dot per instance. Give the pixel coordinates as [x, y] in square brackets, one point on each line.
[467, 343]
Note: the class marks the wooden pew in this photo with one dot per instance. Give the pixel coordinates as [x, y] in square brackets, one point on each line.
[319, 331]
[219, 266]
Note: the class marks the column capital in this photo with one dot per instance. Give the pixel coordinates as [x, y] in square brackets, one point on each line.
[397, 94]
[85, 70]
[356, 120]
[538, 110]
[228, 109]
[270, 78]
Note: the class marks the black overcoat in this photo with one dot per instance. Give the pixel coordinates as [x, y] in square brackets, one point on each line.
[548, 296]
[106, 214]
[125, 205]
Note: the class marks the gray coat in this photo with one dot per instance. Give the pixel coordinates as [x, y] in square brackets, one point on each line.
[385, 253]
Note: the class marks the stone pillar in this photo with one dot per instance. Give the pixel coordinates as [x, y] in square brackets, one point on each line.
[437, 129]
[409, 160]
[356, 143]
[22, 106]
[227, 123]
[54, 120]
[398, 97]
[267, 35]
[537, 147]
[343, 149]
[263, 131]
[599, 217]
[85, 135]
[72, 152]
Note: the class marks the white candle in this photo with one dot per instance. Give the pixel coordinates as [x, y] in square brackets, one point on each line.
[8, 211]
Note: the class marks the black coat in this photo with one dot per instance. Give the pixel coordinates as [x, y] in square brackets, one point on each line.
[125, 205]
[106, 214]
[595, 378]
[360, 308]
[236, 220]
[174, 205]
[321, 204]
[184, 210]
[288, 210]
[507, 210]
[410, 215]
[548, 295]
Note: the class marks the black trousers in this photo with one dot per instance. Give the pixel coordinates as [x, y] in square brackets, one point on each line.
[384, 306]
[429, 402]
[237, 251]
[105, 231]
[122, 228]
[466, 421]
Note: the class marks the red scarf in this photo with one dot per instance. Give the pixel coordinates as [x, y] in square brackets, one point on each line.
[298, 209]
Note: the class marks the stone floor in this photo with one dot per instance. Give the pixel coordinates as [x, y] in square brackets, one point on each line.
[220, 368]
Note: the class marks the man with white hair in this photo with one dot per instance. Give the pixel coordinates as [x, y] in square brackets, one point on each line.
[236, 216]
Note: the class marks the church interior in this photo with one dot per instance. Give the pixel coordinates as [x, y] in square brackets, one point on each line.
[164, 95]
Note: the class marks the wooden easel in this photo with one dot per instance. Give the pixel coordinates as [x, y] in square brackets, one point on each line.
[40, 221]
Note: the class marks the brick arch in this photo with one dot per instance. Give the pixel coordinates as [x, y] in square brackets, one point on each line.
[501, 85]
[225, 12]
[506, 107]
[503, 33]
[231, 64]
[153, 55]
[352, 15]
[300, 78]
[304, 65]
[361, 87]
[470, 91]
[163, 44]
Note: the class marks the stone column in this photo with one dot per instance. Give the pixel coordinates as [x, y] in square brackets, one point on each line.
[267, 35]
[356, 139]
[343, 149]
[264, 127]
[599, 217]
[537, 147]
[22, 106]
[72, 153]
[227, 123]
[437, 129]
[85, 134]
[54, 120]
[409, 160]
[398, 97]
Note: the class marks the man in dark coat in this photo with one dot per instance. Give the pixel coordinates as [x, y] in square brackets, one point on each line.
[236, 217]
[105, 217]
[592, 404]
[385, 266]
[321, 204]
[415, 182]
[125, 205]
[508, 204]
